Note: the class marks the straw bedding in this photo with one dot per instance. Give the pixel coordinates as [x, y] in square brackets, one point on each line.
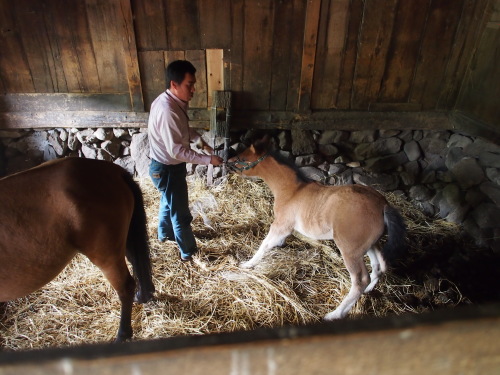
[296, 284]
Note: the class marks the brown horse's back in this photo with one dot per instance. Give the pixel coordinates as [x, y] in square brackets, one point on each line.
[49, 213]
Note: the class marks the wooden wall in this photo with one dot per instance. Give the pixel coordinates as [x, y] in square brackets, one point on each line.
[480, 95]
[292, 56]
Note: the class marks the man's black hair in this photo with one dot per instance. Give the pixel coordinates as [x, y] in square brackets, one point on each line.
[176, 71]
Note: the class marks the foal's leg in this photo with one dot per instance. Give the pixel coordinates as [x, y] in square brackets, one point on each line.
[359, 281]
[378, 267]
[276, 237]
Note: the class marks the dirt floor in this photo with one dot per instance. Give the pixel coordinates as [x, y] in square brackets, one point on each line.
[296, 284]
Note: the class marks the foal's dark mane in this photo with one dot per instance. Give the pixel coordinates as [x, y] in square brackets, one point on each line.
[301, 177]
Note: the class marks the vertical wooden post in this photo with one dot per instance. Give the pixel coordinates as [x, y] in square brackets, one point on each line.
[309, 54]
[220, 120]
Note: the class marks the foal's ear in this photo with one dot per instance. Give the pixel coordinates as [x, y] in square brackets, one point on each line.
[262, 144]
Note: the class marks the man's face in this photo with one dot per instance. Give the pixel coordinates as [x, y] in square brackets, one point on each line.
[185, 89]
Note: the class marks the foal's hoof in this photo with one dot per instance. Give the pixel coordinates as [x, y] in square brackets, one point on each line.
[334, 315]
[246, 265]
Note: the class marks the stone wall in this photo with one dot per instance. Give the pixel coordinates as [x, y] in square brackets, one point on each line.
[447, 174]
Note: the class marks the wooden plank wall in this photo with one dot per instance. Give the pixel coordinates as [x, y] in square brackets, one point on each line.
[287, 55]
[56, 46]
[480, 94]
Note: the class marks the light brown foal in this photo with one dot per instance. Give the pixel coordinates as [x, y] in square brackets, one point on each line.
[354, 216]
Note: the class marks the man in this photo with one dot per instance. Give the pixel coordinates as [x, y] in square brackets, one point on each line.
[169, 139]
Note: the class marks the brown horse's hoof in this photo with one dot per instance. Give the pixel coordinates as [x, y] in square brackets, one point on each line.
[124, 335]
[143, 297]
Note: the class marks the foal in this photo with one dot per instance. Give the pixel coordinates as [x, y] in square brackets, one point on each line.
[354, 216]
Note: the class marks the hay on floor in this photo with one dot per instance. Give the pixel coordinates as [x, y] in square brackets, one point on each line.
[296, 284]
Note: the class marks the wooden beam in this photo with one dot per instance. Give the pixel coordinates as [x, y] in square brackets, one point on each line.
[65, 102]
[269, 120]
[88, 119]
[309, 54]
[342, 120]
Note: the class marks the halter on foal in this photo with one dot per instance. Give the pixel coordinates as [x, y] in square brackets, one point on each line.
[51, 212]
[354, 216]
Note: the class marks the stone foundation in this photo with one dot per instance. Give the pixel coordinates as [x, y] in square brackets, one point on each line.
[447, 174]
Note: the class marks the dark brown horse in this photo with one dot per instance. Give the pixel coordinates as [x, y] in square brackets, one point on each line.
[51, 212]
[354, 216]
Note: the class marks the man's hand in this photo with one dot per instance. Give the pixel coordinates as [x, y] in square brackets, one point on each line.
[216, 160]
[209, 150]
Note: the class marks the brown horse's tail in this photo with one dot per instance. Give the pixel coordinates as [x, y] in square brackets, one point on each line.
[395, 246]
[138, 246]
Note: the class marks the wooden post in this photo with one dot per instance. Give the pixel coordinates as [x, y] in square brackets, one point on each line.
[220, 119]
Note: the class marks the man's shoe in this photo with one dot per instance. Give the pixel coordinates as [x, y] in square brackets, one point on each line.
[164, 239]
[186, 258]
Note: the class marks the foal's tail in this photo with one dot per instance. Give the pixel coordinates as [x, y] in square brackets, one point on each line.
[395, 246]
[138, 246]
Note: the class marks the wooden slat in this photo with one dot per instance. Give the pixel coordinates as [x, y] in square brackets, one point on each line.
[108, 45]
[350, 53]
[183, 31]
[282, 43]
[309, 53]
[15, 72]
[71, 33]
[152, 65]
[150, 25]
[257, 54]
[29, 16]
[126, 29]
[215, 73]
[331, 45]
[170, 56]
[471, 26]
[374, 42]
[403, 51]
[198, 59]
[236, 51]
[295, 64]
[82, 41]
[53, 49]
[437, 42]
[215, 24]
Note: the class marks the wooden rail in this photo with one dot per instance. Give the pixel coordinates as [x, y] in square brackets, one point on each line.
[462, 340]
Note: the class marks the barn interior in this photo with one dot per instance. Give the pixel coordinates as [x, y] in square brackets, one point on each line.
[401, 95]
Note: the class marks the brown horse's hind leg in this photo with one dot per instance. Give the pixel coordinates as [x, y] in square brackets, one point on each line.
[359, 281]
[120, 279]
